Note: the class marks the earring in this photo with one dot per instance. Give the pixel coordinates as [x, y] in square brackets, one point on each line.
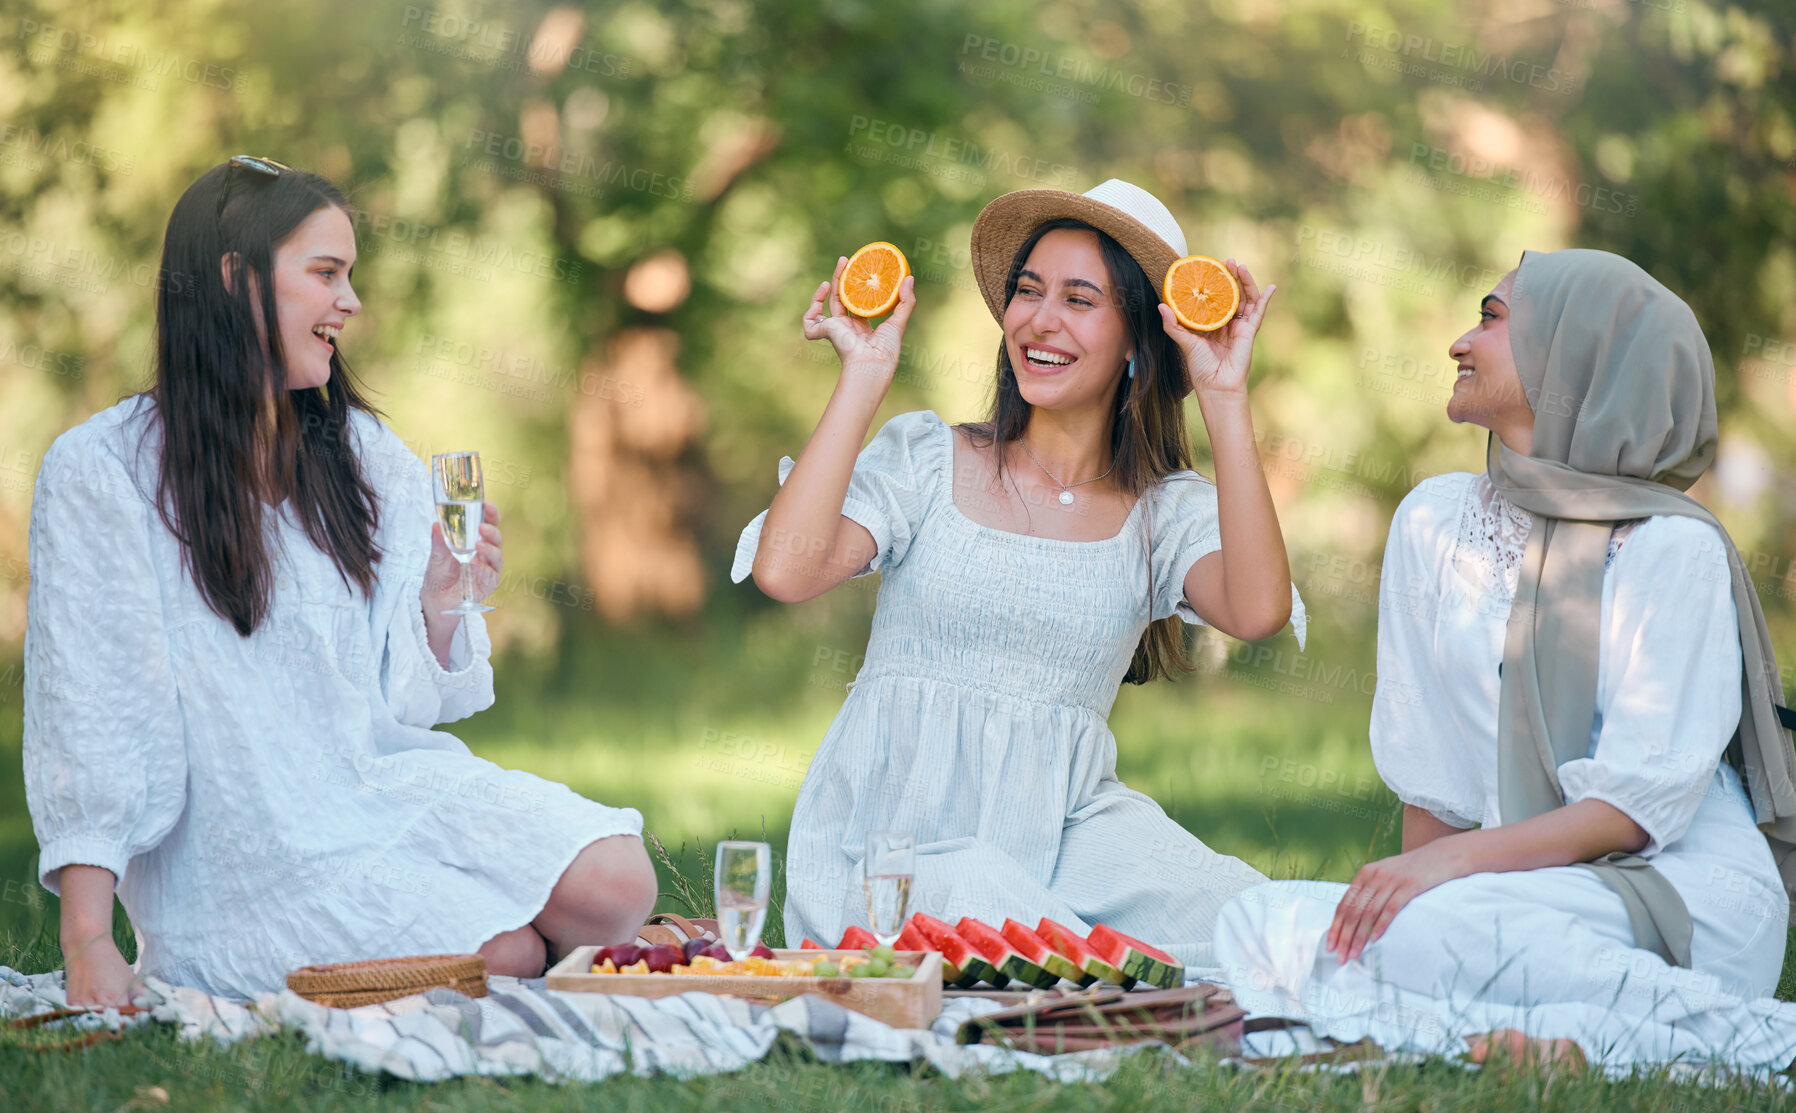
[1131, 367]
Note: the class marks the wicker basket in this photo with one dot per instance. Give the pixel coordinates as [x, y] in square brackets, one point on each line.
[346, 985]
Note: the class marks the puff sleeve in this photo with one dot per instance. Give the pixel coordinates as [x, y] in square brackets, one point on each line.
[105, 756]
[1670, 695]
[1417, 744]
[419, 691]
[893, 482]
[1185, 527]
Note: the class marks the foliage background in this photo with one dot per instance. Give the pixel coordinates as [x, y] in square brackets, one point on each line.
[588, 231]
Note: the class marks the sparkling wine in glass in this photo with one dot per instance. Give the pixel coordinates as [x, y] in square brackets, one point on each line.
[461, 507]
[744, 879]
[891, 857]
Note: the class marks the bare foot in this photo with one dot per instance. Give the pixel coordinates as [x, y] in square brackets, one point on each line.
[1507, 1044]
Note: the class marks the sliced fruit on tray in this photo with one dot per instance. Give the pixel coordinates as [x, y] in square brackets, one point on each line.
[974, 967]
[1071, 944]
[1135, 958]
[998, 951]
[811, 945]
[1036, 949]
[911, 939]
[856, 938]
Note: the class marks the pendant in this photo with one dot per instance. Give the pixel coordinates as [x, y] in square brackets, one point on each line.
[1066, 498]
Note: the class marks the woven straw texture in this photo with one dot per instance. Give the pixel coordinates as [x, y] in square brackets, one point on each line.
[1132, 216]
[346, 985]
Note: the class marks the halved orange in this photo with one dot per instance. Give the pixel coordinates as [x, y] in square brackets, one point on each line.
[870, 280]
[1202, 292]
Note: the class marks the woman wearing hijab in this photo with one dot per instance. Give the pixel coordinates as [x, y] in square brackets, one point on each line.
[1030, 564]
[1597, 792]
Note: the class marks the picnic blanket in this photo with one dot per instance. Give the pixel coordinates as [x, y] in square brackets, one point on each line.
[522, 1028]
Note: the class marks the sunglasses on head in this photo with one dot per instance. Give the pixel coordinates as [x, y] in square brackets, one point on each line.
[262, 169]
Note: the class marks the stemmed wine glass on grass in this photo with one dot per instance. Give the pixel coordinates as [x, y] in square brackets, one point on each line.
[461, 508]
[744, 880]
[891, 856]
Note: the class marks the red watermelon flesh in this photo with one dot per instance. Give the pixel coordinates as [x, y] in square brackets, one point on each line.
[1034, 948]
[1071, 944]
[910, 939]
[810, 945]
[856, 938]
[1136, 959]
[973, 966]
[998, 951]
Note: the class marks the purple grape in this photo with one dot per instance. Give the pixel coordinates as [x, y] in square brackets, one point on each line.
[664, 958]
[694, 947]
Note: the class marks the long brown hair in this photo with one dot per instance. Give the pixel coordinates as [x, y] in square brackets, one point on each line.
[1148, 441]
[215, 377]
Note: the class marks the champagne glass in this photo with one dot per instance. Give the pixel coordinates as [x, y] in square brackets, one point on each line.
[891, 856]
[461, 507]
[744, 879]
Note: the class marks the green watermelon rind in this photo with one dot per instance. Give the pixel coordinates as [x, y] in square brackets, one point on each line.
[1127, 957]
[977, 968]
[1094, 968]
[913, 939]
[1011, 964]
[1049, 959]
[1103, 971]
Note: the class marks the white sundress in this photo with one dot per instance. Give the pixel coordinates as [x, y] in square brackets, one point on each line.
[978, 721]
[1547, 951]
[281, 799]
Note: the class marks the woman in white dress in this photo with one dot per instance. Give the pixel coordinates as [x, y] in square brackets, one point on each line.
[236, 650]
[1576, 704]
[1029, 565]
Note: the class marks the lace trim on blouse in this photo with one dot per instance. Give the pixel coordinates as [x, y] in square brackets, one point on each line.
[1493, 535]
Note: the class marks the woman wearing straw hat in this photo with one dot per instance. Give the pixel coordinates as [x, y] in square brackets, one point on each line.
[1030, 564]
[1598, 698]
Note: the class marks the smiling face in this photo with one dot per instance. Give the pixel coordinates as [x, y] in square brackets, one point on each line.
[312, 294]
[1064, 327]
[1489, 391]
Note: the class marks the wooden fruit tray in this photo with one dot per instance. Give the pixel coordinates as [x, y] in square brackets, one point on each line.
[912, 1002]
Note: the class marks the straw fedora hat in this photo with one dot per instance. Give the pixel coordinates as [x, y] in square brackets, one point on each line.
[1130, 215]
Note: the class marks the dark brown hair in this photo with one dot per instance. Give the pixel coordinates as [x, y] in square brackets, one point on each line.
[215, 378]
[1148, 441]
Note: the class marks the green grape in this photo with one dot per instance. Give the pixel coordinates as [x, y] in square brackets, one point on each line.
[826, 970]
[876, 968]
[902, 971]
[885, 951]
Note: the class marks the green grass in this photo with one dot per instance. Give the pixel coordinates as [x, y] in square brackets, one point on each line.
[707, 732]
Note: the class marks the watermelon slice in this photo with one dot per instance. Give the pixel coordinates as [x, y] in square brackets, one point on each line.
[998, 951]
[973, 966]
[1071, 944]
[856, 938]
[1034, 948]
[910, 939]
[811, 945]
[1136, 959]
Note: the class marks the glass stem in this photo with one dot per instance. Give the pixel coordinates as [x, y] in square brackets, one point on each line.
[467, 583]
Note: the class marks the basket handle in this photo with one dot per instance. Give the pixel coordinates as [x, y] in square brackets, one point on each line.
[691, 929]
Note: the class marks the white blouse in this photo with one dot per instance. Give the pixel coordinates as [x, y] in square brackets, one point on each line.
[1668, 677]
[278, 799]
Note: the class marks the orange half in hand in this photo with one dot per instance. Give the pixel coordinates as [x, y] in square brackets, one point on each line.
[1202, 292]
[870, 280]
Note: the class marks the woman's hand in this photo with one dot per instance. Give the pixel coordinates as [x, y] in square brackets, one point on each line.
[97, 975]
[1381, 889]
[1218, 361]
[861, 348]
[442, 576]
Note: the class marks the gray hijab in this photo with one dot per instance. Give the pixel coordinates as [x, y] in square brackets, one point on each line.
[1623, 391]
